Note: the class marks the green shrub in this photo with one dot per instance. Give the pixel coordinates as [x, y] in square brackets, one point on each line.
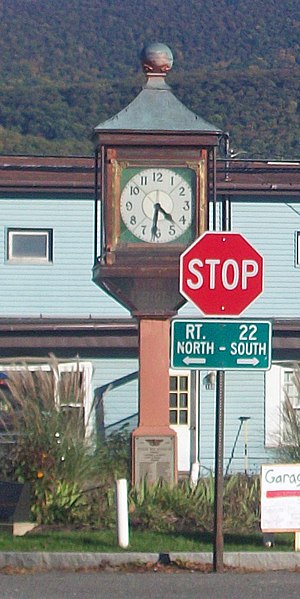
[289, 441]
[72, 478]
[161, 507]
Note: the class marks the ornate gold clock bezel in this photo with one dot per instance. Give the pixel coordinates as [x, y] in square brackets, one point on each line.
[117, 238]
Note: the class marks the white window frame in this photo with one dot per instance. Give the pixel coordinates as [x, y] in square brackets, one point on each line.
[187, 374]
[84, 367]
[297, 256]
[294, 397]
[15, 231]
[275, 396]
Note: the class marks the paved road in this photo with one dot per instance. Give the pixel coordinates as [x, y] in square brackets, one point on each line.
[121, 585]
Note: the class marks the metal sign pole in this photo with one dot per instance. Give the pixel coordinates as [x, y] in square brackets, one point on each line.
[218, 551]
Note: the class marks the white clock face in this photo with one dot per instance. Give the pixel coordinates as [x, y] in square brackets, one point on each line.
[156, 205]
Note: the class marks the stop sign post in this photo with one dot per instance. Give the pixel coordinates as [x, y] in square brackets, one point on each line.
[221, 273]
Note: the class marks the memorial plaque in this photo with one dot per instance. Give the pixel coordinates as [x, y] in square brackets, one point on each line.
[154, 459]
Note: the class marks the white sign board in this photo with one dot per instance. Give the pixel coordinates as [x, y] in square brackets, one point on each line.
[280, 498]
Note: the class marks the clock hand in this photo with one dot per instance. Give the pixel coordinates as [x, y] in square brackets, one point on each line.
[154, 222]
[167, 215]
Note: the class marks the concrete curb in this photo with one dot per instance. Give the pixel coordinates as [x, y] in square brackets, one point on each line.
[260, 561]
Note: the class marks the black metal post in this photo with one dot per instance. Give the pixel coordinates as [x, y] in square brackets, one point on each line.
[218, 545]
[218, 562]
[218, 549]
[96, 198]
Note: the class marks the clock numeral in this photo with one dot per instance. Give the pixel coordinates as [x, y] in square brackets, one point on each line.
[144, 180]
[129, 206]
[133, 220]
[182, 191]
[172, 230]
[143, 230]
[157, 177]
[158, 233]
[182, 220]
[172, 180]
[186, 205]
[134, 190]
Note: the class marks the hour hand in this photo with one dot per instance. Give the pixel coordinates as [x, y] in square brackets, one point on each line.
[167, 215]
[154, 222]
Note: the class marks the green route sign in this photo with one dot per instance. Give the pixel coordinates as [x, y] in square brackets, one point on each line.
[221, 344]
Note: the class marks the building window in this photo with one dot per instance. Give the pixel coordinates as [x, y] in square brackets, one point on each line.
[30, 246]
[71, 384]
[298, 248]
[280, 386]
[290, 389]
[70, 392]
[179, 398]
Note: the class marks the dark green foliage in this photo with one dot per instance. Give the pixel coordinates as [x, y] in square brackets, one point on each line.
[75, 40]
[71, 477]
[182, 508]
[289, 446]
[66, 66]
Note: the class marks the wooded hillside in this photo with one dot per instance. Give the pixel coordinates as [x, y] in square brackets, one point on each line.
[66, 65]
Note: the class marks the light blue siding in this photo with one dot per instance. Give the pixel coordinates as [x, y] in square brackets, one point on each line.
[244, 396]
[122, 402]
[65, 287]
[270, 226]
[207, 428]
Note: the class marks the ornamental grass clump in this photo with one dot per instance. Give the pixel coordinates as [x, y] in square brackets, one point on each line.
[45, 412]
[182, 508]
[241, 503]
[72, 476]
[289, 437]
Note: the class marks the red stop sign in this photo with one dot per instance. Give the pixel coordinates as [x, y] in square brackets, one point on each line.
[221, 273]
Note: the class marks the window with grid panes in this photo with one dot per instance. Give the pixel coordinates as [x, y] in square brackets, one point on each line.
[179, 399]
[298, 248]
[70, 383]
[70, 394]
[290, 389]
[279, 385]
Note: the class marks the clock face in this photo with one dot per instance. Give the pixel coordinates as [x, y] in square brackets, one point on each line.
[157, 205]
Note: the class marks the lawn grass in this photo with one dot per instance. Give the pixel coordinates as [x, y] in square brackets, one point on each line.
[141, 541]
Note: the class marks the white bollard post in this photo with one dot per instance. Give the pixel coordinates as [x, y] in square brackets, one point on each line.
[122, 513]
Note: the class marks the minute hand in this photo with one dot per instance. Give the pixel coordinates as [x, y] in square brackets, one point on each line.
[154, 222]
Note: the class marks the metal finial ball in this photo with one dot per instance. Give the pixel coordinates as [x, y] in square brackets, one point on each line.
[156, 58]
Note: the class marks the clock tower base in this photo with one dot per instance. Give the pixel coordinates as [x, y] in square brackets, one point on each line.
[154, 442]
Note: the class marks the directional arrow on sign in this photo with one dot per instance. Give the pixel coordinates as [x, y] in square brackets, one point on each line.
[245, 361]
[189, 361]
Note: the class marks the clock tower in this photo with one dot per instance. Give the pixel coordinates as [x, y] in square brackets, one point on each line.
[155, 162]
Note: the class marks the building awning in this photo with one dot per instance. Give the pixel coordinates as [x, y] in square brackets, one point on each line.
[28, 336]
